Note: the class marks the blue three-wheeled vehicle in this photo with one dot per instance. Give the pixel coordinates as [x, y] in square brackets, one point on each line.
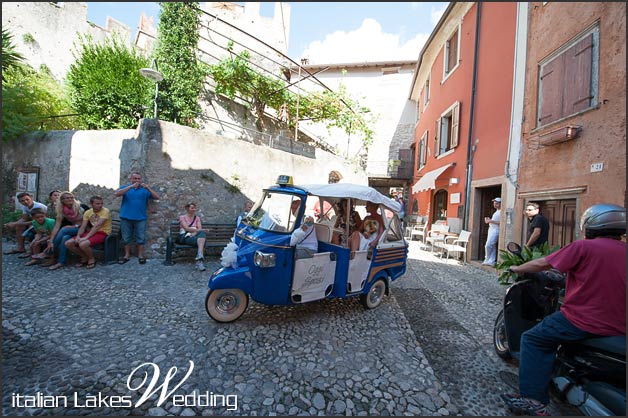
[261, 264]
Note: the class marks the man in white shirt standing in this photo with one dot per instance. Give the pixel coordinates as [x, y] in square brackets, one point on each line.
[493, 234]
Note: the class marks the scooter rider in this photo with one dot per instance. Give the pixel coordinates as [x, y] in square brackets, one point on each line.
[594, 302]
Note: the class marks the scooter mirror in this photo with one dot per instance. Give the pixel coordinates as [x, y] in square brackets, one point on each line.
[513, 247]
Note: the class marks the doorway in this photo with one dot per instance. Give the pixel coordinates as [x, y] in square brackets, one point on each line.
[487, 194]
[439, 212]
[561, 215]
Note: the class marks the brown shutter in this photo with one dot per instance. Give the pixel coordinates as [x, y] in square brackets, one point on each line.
[437, 139]
[422, 157]
[455, 119]
[452, 58]
[578, 65]
[551, 90]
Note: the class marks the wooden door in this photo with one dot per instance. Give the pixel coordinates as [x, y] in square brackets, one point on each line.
[561, 215]
[439, 209]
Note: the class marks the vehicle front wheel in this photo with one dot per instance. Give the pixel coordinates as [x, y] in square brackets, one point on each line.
[374, 297]
[500, 342]
[226, 305]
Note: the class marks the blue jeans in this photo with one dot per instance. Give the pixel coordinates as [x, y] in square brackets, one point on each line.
[131, 230]
[62, 236]
[538, 352]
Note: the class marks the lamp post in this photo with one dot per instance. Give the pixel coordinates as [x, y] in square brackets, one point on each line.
[155, 76]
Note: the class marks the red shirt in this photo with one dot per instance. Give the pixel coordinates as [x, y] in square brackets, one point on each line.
[595, 293]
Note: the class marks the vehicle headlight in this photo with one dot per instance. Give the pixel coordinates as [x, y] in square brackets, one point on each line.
[264, 260]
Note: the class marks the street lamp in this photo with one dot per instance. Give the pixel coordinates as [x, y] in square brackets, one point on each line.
[155, 76]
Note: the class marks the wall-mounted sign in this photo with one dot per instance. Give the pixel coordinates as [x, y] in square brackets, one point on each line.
[454, 198]
[27, 181]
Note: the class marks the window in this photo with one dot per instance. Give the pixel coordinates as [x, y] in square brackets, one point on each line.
[451, 54]
[426, 100]
[440, 206]
[422, 150]
[447, 132]
[568, 79]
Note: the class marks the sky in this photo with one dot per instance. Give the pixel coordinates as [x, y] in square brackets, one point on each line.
[325, 32]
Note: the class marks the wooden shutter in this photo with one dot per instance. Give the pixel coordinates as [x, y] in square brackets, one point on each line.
[423, 149]
[437, 139]
[578, 66]
[452, 56]
[551, 90]
[455, 119]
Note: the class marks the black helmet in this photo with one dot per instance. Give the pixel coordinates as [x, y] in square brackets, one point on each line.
[603, 219]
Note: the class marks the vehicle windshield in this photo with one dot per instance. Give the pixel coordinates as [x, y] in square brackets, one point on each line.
[275, 212]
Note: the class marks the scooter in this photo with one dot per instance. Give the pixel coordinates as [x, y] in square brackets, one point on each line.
[588, 374]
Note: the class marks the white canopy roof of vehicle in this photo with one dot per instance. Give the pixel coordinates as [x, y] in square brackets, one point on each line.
[351, 191]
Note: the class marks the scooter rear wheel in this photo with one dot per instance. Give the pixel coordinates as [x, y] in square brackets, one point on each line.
[226, 305]
[500, 342]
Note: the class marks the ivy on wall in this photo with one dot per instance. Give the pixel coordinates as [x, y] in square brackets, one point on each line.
[175, 54]
[234, 77]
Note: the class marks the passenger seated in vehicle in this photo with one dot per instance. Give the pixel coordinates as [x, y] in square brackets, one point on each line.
[357, 239]
[354, 220]
[304, 238]
[368, 235]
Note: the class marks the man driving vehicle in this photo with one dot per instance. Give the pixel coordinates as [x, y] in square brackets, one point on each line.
[594, 302]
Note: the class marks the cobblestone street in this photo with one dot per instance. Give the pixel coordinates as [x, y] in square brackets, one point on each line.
[77, 331]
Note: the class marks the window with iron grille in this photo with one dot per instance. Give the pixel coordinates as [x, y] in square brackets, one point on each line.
[568, 81]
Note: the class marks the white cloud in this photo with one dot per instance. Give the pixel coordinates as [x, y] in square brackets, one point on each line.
[436, 14]
[366, 44]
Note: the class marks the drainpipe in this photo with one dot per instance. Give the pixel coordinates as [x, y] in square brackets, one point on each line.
[471, 148]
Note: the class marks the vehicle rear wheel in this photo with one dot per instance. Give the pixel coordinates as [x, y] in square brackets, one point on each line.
[500, 342]
[226, 305]
[374, 297]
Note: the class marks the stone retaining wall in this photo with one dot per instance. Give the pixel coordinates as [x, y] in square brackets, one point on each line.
[182, 164]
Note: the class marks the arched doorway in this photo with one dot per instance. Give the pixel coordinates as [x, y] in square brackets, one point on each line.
[439, 208]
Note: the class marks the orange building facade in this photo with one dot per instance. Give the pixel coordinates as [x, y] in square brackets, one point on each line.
[463, 88]
[574, 125]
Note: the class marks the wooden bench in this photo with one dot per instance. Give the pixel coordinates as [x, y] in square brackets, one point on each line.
[110, 248]
[217, 235]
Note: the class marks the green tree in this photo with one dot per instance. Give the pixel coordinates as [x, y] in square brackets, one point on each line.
[234, 77]
[10, 56]
[175, 54]
[29, 97]
[105, 85]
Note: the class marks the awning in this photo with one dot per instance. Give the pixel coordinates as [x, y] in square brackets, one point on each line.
[427, 181]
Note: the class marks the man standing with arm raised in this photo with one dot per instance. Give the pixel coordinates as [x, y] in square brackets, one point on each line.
[133, 217]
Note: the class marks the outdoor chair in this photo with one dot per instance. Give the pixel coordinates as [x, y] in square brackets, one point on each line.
[436, 235]
[418, 230]
[456, 244]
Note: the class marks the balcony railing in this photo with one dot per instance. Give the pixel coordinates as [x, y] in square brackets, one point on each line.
[397, 169]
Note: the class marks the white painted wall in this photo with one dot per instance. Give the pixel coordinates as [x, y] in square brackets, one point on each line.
[385, 96]
[95, 157]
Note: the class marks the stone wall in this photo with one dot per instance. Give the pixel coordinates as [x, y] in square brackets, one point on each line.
[45, 32]
[182, 164]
